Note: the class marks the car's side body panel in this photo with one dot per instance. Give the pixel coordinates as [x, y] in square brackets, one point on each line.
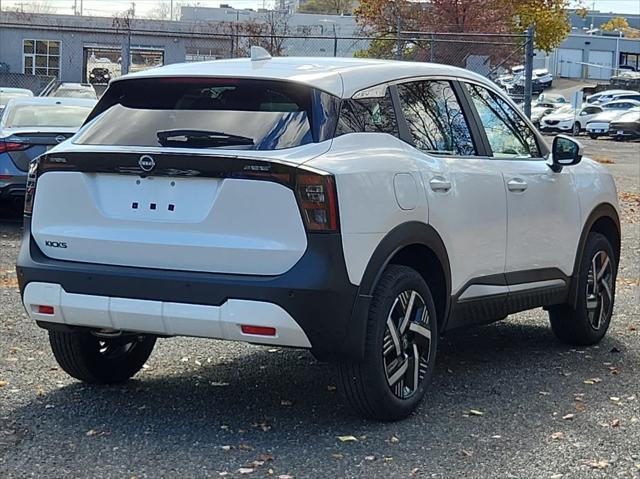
[368, 194]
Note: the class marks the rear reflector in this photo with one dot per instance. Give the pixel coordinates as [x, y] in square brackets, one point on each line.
[258, 330]
[45, 309]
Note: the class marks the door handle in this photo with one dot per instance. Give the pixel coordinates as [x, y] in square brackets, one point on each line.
[440, 183]
[517, 184]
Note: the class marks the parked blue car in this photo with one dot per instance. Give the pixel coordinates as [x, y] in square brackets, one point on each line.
[28, 128]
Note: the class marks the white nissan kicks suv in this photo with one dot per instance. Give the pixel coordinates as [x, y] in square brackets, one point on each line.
[357, 208]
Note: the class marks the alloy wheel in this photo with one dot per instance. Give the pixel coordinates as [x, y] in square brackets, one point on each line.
[406, 344]
[599, 289]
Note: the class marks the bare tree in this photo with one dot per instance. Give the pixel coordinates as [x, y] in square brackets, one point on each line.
[35, 7]
[161, 12]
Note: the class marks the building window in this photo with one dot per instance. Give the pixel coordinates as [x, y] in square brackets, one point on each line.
[41, 57]
[202, 54]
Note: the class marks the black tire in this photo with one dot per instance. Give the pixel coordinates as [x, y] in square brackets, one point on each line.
[576, 129]
[592, 136]
[587, 323]
[100, 361]
[366, 383]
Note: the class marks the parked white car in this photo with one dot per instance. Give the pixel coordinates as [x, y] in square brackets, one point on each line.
[607, 96]
[356, 208]
[7, 94]
[568, 119]
[599, 124]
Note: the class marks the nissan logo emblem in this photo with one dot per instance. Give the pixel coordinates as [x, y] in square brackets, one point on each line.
[60, 138]
[147, 163]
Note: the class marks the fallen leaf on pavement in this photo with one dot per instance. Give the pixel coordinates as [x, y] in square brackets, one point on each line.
[602, 464]
[466, 453]
[348, 438]
[475, 412]
[394, 439]
[557, 435]
[331, 387]
[246, 470]
[369, 458]
[415, 471]
[337, 455]
[568, 417]
[592, 381]
[91, 432]
[615, 423]
[286, 402]
[3, 383]
[285, 476]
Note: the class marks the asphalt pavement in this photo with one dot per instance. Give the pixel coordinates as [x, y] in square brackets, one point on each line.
[507, 401]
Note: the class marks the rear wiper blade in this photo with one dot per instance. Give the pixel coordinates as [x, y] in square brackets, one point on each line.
[200, 138]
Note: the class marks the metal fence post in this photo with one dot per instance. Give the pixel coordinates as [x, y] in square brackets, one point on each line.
[528, 71]
[398, 40]
[432, 57]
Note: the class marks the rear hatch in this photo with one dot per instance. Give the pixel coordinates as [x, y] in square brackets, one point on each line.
[186, 181]
[25, 145]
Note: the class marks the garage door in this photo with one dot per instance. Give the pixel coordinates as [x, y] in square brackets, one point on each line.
[600, 64]
[569, 63]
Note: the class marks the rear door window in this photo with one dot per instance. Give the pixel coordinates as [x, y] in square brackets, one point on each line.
[211, 113]
[435, 118]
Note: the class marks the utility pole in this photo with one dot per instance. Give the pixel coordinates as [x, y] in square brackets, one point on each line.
[81, 7]
[171, 10]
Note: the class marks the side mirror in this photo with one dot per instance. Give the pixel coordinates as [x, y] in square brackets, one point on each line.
[565, 152]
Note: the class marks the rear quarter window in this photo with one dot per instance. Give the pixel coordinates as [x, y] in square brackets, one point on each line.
[367, 115]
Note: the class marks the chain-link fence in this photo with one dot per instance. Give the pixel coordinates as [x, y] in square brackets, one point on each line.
[36, 50]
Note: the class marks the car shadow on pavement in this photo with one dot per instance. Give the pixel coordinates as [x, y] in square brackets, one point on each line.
[501, 367]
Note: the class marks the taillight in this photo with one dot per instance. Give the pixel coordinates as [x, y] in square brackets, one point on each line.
[318, 201]
[6, 146]
[30, 192]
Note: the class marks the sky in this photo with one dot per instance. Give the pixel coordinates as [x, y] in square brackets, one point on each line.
[109, 7]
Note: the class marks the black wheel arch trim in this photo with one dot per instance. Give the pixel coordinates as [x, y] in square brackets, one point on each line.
[602, 210]
[402, 236]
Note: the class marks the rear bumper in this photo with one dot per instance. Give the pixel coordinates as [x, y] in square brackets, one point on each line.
[316, 294]
[167, 319]
[616, 132]
[12, 180]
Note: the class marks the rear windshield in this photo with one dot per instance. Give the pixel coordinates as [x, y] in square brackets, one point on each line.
[75, 93]
[68, 116]
[211, 113]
